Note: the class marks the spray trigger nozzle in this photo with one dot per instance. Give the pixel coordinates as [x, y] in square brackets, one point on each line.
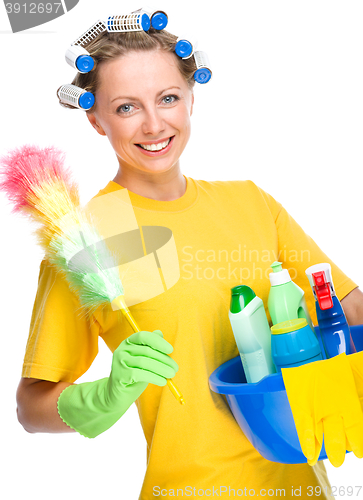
[322, 289]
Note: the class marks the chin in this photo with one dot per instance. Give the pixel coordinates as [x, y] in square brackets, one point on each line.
[158, 166]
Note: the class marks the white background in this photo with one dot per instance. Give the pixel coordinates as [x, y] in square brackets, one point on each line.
[284, 108]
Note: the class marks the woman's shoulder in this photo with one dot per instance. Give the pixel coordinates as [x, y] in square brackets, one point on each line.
[229, 187]
[239, 191]
[225, 184]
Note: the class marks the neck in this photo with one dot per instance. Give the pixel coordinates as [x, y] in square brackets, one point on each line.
[163, 186]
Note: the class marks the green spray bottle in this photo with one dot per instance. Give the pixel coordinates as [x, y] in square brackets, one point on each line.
[286, 300]
[251, 332]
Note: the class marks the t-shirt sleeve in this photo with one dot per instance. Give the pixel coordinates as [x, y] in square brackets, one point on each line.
[62, 342]
[298, 251]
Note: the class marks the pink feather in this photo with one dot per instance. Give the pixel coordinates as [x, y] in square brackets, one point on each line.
[28, 166]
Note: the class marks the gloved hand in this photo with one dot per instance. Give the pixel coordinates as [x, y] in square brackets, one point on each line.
[324, 402]
[91, 408]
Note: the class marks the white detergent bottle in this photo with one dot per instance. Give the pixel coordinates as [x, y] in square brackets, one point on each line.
[251, 332]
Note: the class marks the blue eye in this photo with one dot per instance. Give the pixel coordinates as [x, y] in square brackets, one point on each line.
[173, 97]
[122, 108]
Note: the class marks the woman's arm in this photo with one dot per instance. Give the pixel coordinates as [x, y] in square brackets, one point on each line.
[37, 405]
[353, 307]
[93, 407]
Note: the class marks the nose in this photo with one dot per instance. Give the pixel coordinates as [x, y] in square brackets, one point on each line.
[153, 123]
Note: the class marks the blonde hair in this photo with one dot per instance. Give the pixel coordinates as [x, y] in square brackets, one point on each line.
[108, 46]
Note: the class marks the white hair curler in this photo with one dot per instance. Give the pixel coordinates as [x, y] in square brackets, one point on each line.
[158, 18]
[129, 22]
[184, 48]
[203, 72]
[77, 56]
[75, 96]
[93, 32]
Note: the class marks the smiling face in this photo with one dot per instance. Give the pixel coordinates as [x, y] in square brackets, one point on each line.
[144, 106]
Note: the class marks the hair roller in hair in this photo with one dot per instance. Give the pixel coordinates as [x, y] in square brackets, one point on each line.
[184, 48]
[203, 72]
[158, 18]
[75, 96]
[77, 56]
[128, 22]
[92, 33]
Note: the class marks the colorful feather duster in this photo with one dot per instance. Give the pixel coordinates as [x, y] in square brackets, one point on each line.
[40, 188]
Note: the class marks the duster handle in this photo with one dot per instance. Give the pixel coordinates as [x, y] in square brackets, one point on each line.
[119, 304]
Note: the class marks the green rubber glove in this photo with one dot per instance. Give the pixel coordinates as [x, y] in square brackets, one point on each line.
[324, 403]
[91, 408]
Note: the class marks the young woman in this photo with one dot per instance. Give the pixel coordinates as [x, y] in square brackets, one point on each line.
[225, 233]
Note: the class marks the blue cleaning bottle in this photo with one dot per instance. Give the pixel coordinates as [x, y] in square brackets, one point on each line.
[333, 326]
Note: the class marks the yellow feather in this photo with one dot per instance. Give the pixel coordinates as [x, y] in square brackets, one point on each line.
[51, 202]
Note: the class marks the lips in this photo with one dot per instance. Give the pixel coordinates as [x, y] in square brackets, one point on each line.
[157, 153]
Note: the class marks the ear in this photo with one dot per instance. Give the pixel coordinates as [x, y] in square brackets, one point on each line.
[191, 108]
[93, 121]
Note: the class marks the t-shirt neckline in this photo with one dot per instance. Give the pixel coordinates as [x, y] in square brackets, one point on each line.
[186, 201]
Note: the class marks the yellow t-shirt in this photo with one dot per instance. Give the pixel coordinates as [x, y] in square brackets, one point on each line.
[226, 233]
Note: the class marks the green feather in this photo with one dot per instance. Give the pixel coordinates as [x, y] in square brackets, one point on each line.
[90, 268]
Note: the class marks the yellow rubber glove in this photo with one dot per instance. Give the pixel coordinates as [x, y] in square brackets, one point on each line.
[356, 364]
[324, 403]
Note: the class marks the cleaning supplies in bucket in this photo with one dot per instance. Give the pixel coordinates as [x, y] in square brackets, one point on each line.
[286, 300]
[252, 333]
[263, 412]
[333, 326]
[293, 343]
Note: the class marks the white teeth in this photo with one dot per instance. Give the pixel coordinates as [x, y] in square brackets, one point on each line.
[155, 147]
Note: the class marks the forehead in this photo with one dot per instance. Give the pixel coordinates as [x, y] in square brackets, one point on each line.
[141, 70]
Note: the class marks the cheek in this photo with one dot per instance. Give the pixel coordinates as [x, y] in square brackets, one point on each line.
[182, 120]
[118, 133]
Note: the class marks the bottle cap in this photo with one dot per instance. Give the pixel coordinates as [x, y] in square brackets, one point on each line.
[279, 275]
[241, 296]
[85, 63]
[326, 267]
[288, 326]
[320, 280]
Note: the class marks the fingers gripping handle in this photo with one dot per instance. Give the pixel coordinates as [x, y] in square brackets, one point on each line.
[119, 304]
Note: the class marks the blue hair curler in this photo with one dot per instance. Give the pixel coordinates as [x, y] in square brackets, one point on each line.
[184, 48]
[203, 72]
[158, 18]
[80, 59]
[77, 56]
[75, 96]
[128, 22]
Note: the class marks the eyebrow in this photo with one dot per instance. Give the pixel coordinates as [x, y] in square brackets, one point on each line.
[136, 98]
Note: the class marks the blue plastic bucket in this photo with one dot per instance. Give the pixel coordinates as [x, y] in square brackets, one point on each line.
[262, 410]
